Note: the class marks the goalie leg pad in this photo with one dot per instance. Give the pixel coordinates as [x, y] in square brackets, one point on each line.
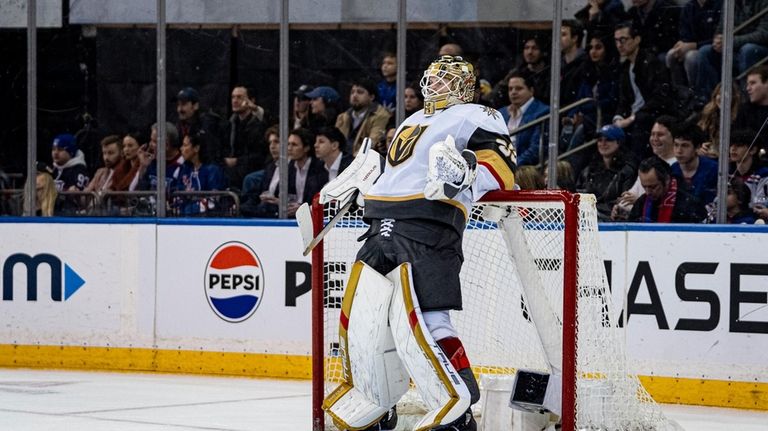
[439, 384]
[374, 376]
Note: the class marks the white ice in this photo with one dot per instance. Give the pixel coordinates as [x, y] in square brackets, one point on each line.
[41, 400]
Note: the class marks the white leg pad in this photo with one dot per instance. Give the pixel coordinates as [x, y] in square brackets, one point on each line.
[438, 383]
[374, 376]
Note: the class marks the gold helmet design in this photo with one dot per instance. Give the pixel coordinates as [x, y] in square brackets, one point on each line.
[448, 81]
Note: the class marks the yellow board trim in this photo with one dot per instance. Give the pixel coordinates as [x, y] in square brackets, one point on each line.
[156, 360]
[700, 392]
[713, 393]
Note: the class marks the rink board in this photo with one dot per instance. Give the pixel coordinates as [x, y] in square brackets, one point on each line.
[140, 296]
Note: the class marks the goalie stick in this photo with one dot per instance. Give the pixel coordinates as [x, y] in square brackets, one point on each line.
[306, 227]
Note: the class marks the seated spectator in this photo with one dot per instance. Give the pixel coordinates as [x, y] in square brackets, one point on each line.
[126, 176]
[709, 121]
[598, 81]
[365, 118]
[529, 178]
[193, 119]
[573, 59]
[300, 105]
[148, 164]
[259, 198]
[753, 115]
[601, 16]
[737, 204]
[745, 164]
[663, 147]
[306, 174]
[565, 176]
[664, 200]
[252, 181]
[414, 100]
[323, 108]
[197, 174]
[328, 143]
[111, 154]
[644, 89]
[45, 192]
[657, 23]
[611, 171]
[761, 212]
[69, 169]
[523, 108]
[698, 23]
[534, 67]
[387, 87]
[450, 48]
[750, 45]
[699, 173]
[246, 148]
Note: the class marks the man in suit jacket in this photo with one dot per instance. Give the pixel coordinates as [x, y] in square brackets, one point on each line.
[328, 145]
[523, 109]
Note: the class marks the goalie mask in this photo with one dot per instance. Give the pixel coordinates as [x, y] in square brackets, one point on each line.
[448, 81]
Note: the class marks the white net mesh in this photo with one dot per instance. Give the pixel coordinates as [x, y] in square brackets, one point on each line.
[496, 325]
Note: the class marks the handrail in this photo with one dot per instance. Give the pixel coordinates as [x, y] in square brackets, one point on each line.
[75, 193]
[540, 120]
[750, 68]
[581, 147]
[752, 19]
[209, 193]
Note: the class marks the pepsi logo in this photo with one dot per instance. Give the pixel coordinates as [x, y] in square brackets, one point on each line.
[234, 281]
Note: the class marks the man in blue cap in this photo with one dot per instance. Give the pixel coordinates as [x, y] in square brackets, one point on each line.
[69, 169]
[323, 108]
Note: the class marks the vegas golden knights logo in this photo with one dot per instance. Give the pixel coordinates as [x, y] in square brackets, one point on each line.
[404, 143]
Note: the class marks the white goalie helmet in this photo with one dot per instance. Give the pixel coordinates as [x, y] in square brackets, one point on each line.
[448, 81]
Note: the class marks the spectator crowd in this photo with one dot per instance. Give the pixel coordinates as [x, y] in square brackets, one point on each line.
[642, 84]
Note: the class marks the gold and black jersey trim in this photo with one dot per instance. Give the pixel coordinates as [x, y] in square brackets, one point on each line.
[497, 153]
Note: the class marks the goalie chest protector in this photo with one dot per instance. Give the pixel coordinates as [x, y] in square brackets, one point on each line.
[399, 192]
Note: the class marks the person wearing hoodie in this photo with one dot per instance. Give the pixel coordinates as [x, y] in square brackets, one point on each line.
[69, 169]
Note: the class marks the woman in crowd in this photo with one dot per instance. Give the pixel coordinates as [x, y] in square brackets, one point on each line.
[197, 174]
[612, 170]
[709, 121]
[45, 191]
[599, 82]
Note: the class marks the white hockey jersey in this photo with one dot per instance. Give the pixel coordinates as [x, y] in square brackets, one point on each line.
[399, 191]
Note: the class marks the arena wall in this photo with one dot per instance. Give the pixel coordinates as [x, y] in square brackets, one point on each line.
[112, 294]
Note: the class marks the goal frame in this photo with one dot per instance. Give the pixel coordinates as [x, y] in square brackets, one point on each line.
[571, 221]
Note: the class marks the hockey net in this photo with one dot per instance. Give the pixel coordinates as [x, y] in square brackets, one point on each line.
[552, 248]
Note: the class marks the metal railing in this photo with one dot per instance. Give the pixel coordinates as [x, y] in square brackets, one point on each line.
[539, 122]
[130, 204]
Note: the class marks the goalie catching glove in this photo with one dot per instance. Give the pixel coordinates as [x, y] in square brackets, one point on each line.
[450, 171]
[359, 176]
